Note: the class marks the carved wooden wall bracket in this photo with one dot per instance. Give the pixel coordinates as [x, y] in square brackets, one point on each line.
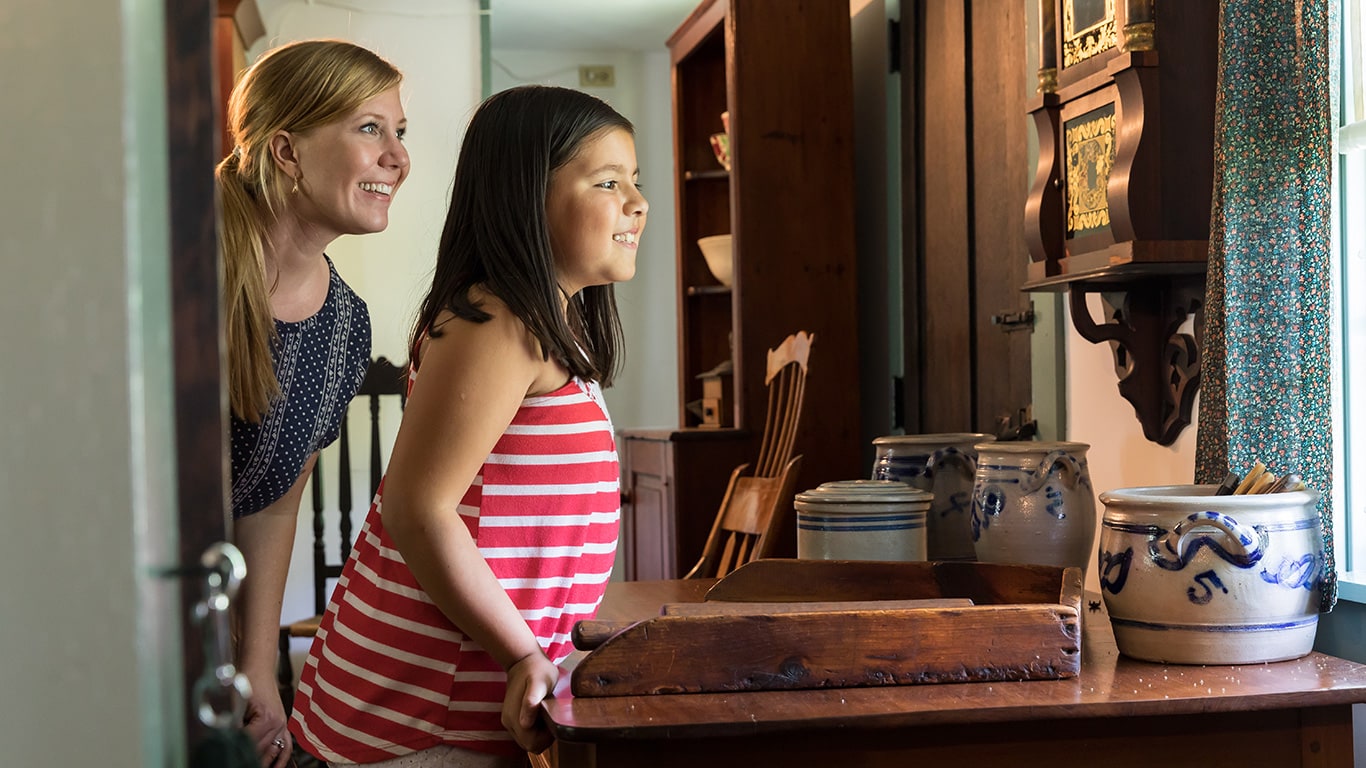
[1158, 366]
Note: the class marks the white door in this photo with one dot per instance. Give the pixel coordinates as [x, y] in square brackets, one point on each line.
[104, 523]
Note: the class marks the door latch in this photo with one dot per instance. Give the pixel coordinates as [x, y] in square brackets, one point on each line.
[221, 691]
[1015, 321]
[1022, 426]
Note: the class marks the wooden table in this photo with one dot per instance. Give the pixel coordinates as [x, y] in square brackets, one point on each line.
[1118, 712]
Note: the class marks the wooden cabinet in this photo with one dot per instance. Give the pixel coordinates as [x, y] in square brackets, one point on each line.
[665, 473]
[782, 69]
[647, 540]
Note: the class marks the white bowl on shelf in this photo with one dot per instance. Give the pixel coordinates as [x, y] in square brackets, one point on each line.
[716, 250]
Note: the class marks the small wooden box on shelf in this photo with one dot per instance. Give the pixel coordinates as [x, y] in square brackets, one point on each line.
[783, 71]
[717, 396]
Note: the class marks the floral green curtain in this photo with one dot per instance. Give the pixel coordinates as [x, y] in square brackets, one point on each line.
[1266, 359]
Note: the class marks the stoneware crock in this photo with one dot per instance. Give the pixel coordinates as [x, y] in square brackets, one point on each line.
[862, 520]
[945, 465]
[1193, 578]
[1032, 502]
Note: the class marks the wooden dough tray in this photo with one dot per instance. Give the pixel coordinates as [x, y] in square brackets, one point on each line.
[794, 624]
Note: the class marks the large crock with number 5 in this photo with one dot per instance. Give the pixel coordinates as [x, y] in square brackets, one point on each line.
[1193, 578]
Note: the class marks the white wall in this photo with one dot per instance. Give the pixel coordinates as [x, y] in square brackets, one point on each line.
[1120, 456]
[89, 647]
[646, 392]
[646, 395]
[877, 212]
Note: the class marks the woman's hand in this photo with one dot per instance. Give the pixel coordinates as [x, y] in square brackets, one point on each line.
[266, 725]
[266, 540]
[530, 681]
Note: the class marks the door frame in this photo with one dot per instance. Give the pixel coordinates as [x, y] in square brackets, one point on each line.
[197, 342]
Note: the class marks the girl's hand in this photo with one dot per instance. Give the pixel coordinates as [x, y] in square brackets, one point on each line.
[530, 681]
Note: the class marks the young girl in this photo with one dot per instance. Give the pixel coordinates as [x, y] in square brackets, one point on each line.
[496, 525]
[318, 153]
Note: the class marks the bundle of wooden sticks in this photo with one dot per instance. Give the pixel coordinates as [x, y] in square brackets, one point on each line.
[1259, 479]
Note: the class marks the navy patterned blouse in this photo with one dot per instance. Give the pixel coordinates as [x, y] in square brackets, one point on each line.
[320, 363]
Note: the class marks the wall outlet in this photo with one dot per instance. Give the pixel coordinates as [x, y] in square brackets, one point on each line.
[597, 77]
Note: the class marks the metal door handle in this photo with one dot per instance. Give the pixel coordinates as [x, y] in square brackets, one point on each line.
[221, 692]
[1015, 321]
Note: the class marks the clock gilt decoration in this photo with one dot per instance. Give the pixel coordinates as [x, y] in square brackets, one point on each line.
[1088, 29]
[1119, 202]
[1090, 146]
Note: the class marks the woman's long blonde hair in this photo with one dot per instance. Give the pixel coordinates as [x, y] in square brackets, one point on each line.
[295, 88]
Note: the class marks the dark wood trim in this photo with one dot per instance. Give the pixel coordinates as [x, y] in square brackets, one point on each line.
[946, 287]
[200, 413]
[998, 178]
[224, 33]
[697, 27]
[970, 194]
[912, 68]
[1043, 205]
[965, 182]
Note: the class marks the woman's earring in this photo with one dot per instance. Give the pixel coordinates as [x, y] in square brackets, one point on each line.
[296, 187]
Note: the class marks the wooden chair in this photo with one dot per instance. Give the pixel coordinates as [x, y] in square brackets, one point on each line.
[747, 524]
[382, 379]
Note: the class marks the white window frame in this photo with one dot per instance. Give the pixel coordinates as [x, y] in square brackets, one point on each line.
[1349, 333]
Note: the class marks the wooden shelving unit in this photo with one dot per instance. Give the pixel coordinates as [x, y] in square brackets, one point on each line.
[783, 70]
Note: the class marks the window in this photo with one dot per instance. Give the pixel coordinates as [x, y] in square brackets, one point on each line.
[1350, 238]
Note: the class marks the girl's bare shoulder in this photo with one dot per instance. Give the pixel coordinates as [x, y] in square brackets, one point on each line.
[502, 343]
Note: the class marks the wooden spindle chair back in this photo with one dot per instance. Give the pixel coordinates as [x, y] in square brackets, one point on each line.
[753, 508]
[382, 380]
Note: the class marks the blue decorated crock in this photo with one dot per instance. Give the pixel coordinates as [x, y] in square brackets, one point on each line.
[944, 465]
[1193, 578]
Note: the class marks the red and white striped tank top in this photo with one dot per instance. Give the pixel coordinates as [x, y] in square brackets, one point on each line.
[388, 674]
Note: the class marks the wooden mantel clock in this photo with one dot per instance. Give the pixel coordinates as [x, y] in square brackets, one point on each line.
[1120, 200]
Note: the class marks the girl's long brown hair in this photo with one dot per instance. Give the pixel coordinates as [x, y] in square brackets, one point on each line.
[497, 234]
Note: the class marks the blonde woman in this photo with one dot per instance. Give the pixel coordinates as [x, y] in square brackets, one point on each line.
[318, 153]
